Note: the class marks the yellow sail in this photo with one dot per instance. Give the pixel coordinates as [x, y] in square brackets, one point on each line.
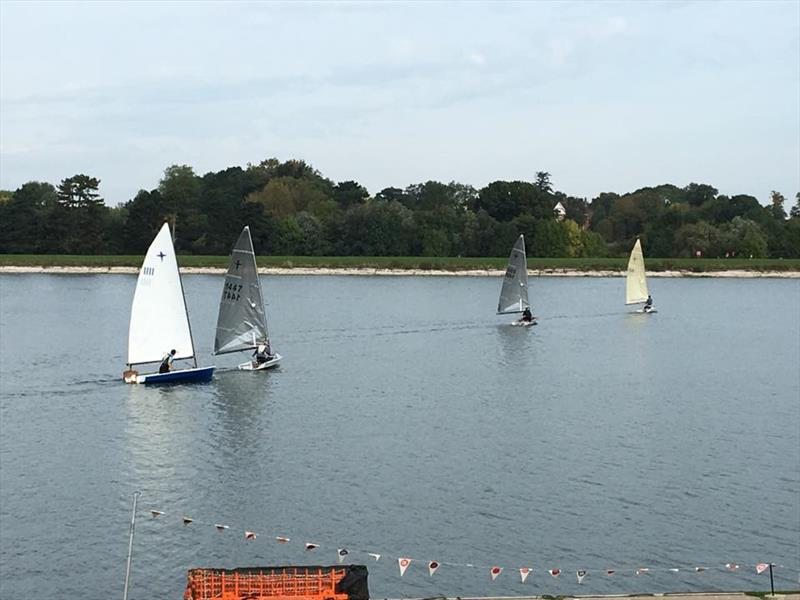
[636, 282]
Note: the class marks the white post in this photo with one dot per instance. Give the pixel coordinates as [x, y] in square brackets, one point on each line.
[136, 495]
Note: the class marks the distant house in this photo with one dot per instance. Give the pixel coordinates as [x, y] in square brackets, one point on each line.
[559, 211]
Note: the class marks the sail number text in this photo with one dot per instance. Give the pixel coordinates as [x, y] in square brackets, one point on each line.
[231, 291]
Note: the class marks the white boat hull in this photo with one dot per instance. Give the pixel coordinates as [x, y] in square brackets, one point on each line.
[250, 366]
[521, 323]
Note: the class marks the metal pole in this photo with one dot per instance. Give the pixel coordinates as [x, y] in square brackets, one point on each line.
[136, 495]
[771, 582]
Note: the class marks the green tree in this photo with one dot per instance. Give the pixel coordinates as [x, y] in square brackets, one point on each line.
[146, 214]
[698, 193]
[593, 245]
[25, 219]
[600, 208]
[745, 238]
[378, 229]
[79, 191]
[179, 203]
[698, 237]
[313, 241]
[777, 199]
[505, 200]
[550, 239]
[391, 194]
[286, 196]
[349, 193]
[83, 212]
[543, 182]
[484, 236]
[795, 212]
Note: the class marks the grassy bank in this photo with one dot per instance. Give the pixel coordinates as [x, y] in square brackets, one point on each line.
[414, 262]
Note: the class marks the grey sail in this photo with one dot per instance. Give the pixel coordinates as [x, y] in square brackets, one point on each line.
[514, 293]
[242, 321]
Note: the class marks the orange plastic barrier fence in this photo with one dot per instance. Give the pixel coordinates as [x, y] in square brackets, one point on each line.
[273, 583]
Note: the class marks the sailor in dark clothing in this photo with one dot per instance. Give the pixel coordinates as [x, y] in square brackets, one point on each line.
[262, 354]
[166, 362]
[526, 315]
[648, 306]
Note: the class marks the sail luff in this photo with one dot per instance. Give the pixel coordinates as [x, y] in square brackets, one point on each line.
[514, 291]
[635, 279]
[183, 297]
[241, 322]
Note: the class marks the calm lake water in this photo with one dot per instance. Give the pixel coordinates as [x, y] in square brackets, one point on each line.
[407, 419]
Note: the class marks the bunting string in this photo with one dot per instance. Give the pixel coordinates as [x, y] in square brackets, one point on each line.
[404, 563]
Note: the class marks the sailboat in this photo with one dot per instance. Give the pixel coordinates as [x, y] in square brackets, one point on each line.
[242, 320]
[636, 280]
[514, 292]
[159, 319]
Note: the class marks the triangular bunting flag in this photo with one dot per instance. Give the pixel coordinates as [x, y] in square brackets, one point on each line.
[220, 527]
[187, 520]
[310, 546]
[249, 535]
[731, 566]
[641, 570]
[377, 557]
[341, 553]
[554, 572]
[495, 571]
[699, 569]
[156, 513]
[580, 574]
[282, 540]
[523, 573]
[432, 566]
[610, 572]
[761, 567]
[403, 564]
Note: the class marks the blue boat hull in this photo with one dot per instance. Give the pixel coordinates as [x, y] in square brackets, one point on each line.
[182, 376]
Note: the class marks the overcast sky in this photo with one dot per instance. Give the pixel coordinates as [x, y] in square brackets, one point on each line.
[605, 96]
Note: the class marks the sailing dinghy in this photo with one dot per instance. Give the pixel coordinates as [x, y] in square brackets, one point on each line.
[242, 320]
[514, 292]
[636, 280]
[159, 319]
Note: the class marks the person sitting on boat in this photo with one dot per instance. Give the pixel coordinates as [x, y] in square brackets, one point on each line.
[527, 316]
[262, 354]
[648, 306]
[166, 362]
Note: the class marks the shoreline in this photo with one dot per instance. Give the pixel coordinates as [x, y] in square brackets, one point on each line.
[368, 271]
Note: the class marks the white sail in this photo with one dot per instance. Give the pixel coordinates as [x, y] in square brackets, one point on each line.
[242, 321]
[636, 282]
[514, 293]
[159, 322]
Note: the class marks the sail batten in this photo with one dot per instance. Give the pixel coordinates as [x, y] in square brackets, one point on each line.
[514, 292]
[636, 280]
[159, 320]
[242, 321]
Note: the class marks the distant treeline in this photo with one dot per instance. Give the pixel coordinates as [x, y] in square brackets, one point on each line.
[292, 209]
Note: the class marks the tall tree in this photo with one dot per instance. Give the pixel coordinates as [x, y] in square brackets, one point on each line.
[543, 182]
[795, 212]
[83, 213]
[79, 191]
[777, 199]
